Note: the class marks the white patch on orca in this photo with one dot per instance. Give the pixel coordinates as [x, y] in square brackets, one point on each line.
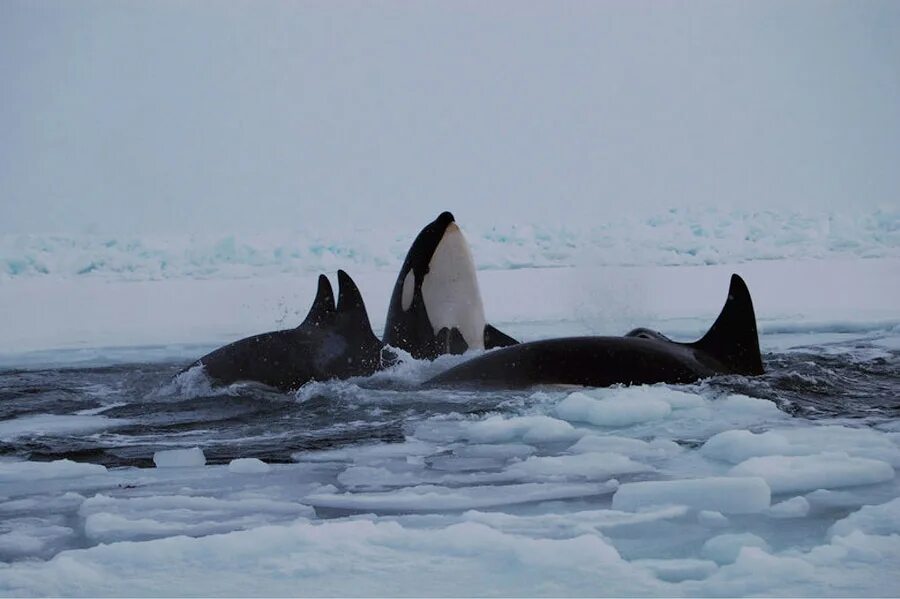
[409, 287]
[450, 289]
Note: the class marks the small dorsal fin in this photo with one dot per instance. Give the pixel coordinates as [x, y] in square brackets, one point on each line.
[733, 339]
[350, 306]
[322, 310]
[496, 338]
[450, 341]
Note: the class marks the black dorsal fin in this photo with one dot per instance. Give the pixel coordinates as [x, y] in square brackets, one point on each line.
[322, 310]
[733, 339]
[450, 341]
[496, 338]
[350, 306]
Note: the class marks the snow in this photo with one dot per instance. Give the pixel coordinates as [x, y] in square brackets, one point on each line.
[179, 458]
[727, 495]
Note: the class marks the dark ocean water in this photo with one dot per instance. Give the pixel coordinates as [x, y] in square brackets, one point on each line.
[859, 385]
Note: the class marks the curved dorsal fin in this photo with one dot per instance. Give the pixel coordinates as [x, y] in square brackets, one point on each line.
[350, 306]
[733, 338]
[322, 310]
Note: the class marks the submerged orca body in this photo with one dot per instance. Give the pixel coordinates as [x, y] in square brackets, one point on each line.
[334, 341]
[436, 306]
[643, 356]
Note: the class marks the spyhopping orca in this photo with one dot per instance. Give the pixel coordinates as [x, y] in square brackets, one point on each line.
[334, 341]
[436, 307]
[643, 356]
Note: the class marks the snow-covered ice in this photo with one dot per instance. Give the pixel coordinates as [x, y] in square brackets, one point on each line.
[724, 487]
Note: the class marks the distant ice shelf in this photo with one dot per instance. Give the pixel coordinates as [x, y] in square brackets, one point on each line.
[675, 237]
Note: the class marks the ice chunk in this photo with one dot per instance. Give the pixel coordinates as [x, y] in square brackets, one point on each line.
[432, 498]
[405, 475]
[497, 451]
[832, 499]
[179, 458]
[613, 411]
[724, 549]
[881, 519]
[590, 521]
[796, 507]
[722, 494]
[531, 429]
[585, 465]
[658, 448]
[110, 519]
[677, 570]
[712, 519]
[29, 471]
[741, 405]
[793, 474]
[55, 424]
[248, 466]
[736, 446]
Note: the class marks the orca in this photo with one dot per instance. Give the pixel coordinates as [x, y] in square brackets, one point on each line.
[436, 306]
[334, 341]
[643, 356]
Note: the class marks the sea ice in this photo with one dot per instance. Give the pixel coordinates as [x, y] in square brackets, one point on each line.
[613, 411]
[712, 519]
[248, 466]
[797, 474]
[591, 466]
[724, 549]
[30, 471]
[881, 519]
[55, 424]
[795, 507]
[722, 494]
[179, 458]
[530, 429]
[433, 498]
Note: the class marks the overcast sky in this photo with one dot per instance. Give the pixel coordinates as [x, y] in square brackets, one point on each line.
[139, 116]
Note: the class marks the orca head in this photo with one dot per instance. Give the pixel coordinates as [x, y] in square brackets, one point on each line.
[437, 289]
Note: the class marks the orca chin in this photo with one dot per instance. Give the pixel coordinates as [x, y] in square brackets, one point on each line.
[731, 346]
[334, 341]
[436, 305]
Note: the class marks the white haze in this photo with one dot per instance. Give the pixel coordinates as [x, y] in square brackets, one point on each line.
[195, 116]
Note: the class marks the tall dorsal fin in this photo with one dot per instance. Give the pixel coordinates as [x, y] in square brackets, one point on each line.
[350, 306]
[733, 339]
[322, 310]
